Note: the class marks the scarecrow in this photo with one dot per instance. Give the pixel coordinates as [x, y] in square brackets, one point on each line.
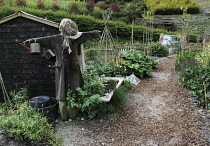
[67, 47]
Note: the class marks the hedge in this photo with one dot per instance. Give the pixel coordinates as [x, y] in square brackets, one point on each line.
[85, 23]
[169, 7]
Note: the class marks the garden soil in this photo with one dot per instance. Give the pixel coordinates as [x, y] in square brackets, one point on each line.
[159, 112]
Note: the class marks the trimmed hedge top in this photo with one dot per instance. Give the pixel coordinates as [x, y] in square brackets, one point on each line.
[169, 7]
[85, 23]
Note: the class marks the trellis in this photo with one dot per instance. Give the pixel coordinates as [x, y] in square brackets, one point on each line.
[106, 45]
[185, 24]
[206, 39]
[148, 30]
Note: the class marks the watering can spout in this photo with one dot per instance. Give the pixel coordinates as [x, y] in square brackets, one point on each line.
[25, 46]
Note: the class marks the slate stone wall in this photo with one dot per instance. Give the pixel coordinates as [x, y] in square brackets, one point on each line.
[19, 68]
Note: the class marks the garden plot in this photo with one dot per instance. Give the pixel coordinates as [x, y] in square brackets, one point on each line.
[158, 113]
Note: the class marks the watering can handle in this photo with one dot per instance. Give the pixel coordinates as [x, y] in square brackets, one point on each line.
[24, 46]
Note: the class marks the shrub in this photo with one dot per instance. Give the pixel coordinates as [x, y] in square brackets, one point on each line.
[114, 7]
[185, 59]
[203, 58]
[102, 5]
[90, 6]
[27, 124]
[97, 14]
[20, 3]
[169, 7]
[131, 11]
[2, 2]
[90, 54]
[87, 97]
[159, 49]
[74, 7]
[22, 122]
[89, 102]
[195, 75]
[137, 62]
[111, 68]
[40, 4]
[21, 96]
[86, 23]
[192, 38]
[197, 79]
[55, 5]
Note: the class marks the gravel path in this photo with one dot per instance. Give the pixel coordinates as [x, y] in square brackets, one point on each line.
[159, 113]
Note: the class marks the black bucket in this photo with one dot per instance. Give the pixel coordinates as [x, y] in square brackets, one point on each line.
[49, 107]
[40, 102]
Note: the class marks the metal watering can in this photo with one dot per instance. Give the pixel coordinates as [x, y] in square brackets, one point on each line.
[34, 47]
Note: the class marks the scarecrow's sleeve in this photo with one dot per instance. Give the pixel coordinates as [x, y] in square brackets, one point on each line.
[45, 41]
[88, 35]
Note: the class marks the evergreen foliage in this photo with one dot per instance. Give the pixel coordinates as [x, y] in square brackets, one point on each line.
[85, 23]
[170, 7]
[20, 3]
[159, 49]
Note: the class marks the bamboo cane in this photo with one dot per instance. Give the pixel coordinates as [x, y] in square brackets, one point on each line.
[6, 96]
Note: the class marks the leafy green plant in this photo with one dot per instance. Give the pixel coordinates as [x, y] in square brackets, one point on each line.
[83, 101]
[137, 62]
[117, 101]
[185, 59]
[203, 58]
[159, 49]
[22, 122]
[195, 75]
[90, 103]
[197, 79]
[87, 97]
[25, 123]
[108, 69]
[20, 96]
[192, 37]
[90, 54]
[119, 97]
[114, 68]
